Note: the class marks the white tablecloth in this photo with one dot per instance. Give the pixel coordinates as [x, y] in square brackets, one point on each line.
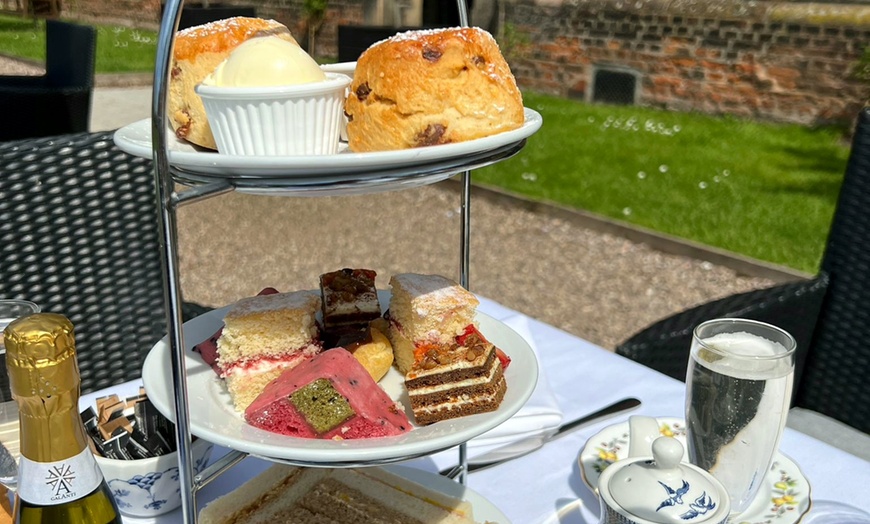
[545, 486]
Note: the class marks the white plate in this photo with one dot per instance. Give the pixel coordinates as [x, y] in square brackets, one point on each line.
[345, 68]
[484, 510]
[785, 499]
[213, 417]
[135, 139]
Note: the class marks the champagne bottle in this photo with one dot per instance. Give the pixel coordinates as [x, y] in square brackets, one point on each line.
[59, 481]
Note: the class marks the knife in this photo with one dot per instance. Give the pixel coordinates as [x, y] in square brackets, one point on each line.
[526, 446]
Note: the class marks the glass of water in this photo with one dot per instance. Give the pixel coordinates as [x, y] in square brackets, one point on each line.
[9, 311]
[739, 383]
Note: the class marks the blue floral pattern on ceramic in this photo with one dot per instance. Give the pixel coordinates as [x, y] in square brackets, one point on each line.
[154, 492]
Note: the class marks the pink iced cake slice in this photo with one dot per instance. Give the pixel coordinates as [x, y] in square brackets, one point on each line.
[331, 396]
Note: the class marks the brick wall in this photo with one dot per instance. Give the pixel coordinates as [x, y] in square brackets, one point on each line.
[147, 13]
[771, 60]
[760, 60]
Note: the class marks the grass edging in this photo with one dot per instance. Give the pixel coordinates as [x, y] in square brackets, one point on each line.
[742, 265]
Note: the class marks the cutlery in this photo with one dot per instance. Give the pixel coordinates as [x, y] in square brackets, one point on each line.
[526, 446]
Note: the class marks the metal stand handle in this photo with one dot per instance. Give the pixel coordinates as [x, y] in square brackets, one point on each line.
[464, 251]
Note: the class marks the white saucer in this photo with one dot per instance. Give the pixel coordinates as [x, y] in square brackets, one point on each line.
[785, 501]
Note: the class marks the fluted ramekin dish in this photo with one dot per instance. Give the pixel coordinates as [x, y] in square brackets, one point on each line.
[302, 119]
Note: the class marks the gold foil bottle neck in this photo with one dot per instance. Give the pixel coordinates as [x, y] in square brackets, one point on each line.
[44, 379]
[40, 355]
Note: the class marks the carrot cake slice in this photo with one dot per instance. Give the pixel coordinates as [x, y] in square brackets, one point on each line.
[465, 379]
[426, 312]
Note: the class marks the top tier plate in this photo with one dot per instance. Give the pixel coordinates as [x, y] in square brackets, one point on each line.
[424, 164]
[213, 418]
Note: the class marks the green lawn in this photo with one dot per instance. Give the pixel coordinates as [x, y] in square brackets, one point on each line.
[767, 191]
[119, 49]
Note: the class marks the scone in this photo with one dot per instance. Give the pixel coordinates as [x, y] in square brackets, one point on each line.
[198, 51]
[428, 87]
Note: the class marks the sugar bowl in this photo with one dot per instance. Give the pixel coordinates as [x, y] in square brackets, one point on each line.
[661, 490]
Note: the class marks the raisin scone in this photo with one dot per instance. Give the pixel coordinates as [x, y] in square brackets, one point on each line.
[198, 51]
[431, 86]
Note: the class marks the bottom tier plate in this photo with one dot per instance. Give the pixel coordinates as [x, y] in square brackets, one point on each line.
[213, 418]
[484, 510]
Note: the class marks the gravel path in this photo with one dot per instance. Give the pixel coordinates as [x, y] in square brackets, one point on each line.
[9, 66]
[598, 286]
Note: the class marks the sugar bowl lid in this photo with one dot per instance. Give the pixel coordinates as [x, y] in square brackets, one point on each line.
[663, 490]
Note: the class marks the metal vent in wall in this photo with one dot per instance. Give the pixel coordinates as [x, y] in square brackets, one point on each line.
[614, 86]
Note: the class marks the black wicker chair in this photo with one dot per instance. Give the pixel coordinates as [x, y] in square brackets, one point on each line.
[828, 315]
[78, 226]
[59, 101]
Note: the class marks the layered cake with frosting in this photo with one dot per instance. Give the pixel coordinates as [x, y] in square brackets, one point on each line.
[426, 312]
[349, 298]
[462, 379]
[352, 318]
[263, 336]
[331, 396]
[339, 495]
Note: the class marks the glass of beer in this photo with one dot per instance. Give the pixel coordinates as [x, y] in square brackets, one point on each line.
[739, 383]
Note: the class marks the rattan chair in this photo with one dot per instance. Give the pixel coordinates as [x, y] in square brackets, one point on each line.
[59, 101]
[79, 236]
[828, 315]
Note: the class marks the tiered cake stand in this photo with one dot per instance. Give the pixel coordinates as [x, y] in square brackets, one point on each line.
[210, 174]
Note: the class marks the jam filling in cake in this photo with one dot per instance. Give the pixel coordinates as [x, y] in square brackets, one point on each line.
[262, 336]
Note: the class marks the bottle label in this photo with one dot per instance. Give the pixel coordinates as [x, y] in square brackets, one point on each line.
[51, 483]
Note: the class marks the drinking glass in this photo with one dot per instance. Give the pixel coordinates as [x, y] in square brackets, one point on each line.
[739, 383]
[9, 311]
[9, 450]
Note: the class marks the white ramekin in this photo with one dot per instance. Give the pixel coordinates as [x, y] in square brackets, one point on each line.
[303, 119]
